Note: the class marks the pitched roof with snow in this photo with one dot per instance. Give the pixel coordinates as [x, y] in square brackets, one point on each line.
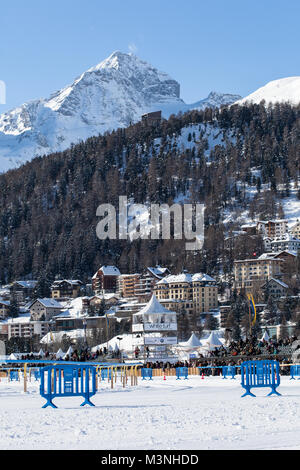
[108, 271]
[74, 282]
[158, 271]
[289, 252]
[27, 284]
[49, 303]
[186, 277]
[281, 283]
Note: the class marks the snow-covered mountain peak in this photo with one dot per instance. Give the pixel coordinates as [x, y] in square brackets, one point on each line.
[112, 94]
[283, 90]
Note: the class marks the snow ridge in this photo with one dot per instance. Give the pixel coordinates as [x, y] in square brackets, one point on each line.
[284, 90]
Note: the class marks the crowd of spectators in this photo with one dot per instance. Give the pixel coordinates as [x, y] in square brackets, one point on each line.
[233, 354]
[77, 355]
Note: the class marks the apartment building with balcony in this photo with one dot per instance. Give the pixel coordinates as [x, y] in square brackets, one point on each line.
[140, 285]
[23, 327]
[105, 279]
[272, 228]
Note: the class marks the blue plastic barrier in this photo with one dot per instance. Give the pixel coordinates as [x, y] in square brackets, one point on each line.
[295, 371]
[146, 373]
[14, 375]
[106, 373]
[229, 370]
[37, 374]
[260, 374]
[67, 381]
[182, 372]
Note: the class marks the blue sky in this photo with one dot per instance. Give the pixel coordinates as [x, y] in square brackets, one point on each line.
[226, 45]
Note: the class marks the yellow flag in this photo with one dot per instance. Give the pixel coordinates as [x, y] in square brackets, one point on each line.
[252, 307]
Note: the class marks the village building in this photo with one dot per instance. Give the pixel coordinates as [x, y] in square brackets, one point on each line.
[24, 327]
[44, 309]
[65, 288]
[249, 228]
[275, 288]
[272, 228]
[288, 242]
[108, 299]
[105, 279]
[4, 308]
[140, 285]
[267, 243]
[151, 119]
[199, 291]
[250, 274]
[23, 290]
[128, 285]
[295, 230]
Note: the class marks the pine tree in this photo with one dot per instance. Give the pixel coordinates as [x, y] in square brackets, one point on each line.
[211, 323]
[13, 307]
[42, 289]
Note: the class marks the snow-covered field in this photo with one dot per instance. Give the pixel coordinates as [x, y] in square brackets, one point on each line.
[190, 414]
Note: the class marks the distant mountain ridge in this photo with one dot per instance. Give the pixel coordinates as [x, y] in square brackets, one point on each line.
[113, 94]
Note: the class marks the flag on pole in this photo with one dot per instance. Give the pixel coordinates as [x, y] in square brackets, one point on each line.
[252, 308]
[50, 334]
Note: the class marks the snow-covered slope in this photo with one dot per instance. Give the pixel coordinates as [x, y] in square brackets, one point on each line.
[112, 94]
[214, 100]
[282, 90]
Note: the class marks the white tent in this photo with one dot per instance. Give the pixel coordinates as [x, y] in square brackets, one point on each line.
[265, 337]
[69, 352]
[12, 357]
[154, 312]
[192, 343]
[41, 353]
[59, 354]
[185, 349]
[212, 342]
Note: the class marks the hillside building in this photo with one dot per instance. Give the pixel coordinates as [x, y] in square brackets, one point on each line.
[44, 309]
[295, 230]
[199, 291]
[23, 290]
[105, 279]
[272, 228]
[250, 274]
[66, 288]
[151, 119]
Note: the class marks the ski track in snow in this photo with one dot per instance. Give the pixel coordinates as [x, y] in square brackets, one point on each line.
[158, 414]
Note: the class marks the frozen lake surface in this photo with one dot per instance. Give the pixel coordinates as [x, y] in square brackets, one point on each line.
[171, 415]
